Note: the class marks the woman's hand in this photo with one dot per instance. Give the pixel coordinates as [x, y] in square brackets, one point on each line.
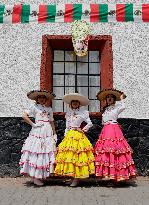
[55, 152]
[122, 96]
[84, 129]
[55, 138]
[78, 129]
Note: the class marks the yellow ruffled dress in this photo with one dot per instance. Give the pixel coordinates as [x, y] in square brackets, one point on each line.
[75, 156]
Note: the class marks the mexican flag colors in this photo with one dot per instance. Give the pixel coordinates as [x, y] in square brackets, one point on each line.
[67, 13]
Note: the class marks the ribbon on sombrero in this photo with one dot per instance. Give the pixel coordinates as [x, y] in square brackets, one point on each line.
[80, 35]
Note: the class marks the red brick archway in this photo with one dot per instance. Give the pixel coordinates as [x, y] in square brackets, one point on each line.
[103, 43]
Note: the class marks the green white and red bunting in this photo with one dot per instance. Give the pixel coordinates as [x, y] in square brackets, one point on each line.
[67, 13]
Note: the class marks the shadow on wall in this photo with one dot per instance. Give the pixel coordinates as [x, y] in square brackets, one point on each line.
[13, 132]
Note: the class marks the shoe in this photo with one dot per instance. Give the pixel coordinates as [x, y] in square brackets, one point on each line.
[74, 183]
[68, 181]
[38, 182]
[32, 180]
[111, 183]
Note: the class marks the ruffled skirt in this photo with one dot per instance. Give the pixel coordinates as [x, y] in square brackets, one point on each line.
[113, 158]
[38, 153]
[75, 156]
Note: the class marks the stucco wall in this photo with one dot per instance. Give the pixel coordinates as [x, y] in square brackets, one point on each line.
[20, 54]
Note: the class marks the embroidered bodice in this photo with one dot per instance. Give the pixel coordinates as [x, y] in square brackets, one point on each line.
[111, 113]
[74, 118]
[40, 112]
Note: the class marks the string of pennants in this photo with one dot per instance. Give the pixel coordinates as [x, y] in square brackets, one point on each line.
[67, 13]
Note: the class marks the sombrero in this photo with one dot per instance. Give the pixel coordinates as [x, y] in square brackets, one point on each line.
[76, 96]
[101, 95]
[35, 93]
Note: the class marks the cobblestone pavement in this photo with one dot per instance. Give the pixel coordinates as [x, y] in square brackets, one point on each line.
[20, 191]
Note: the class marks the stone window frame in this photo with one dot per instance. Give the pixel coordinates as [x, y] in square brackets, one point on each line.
[103, 43]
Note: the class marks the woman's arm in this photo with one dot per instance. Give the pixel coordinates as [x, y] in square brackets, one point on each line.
[67, 123]
[54, 132]
[27, 119]
[121, 105]
[51, 119]
[88, 121]
[53, 127]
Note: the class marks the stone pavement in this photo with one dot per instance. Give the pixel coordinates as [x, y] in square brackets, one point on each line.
[19, 191]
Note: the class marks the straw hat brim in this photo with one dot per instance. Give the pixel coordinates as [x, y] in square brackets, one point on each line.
[101, 95]
[76, 96]
[35, 93]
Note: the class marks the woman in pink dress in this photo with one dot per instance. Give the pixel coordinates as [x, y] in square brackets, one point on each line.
[113, 158]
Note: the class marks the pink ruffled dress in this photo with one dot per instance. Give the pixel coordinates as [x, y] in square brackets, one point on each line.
[38, 151]
[113, 158]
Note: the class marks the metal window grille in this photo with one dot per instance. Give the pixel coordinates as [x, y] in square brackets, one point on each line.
[72, 73]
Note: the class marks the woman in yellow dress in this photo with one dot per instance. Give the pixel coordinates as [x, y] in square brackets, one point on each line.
[75, 153]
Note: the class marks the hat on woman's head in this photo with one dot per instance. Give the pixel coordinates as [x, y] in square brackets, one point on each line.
[101, 95]
[76, 96]
[35, 93]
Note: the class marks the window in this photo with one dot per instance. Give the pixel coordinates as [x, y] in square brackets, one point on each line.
[72, 73]
[57, 60]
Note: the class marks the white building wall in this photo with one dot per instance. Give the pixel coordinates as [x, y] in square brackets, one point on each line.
[20, 58]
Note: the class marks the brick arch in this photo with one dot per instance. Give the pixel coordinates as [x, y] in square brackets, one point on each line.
[103, 43]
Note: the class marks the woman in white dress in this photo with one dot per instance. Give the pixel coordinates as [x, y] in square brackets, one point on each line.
[38, 151]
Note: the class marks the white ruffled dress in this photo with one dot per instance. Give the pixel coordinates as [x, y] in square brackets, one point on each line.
[38, 151]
